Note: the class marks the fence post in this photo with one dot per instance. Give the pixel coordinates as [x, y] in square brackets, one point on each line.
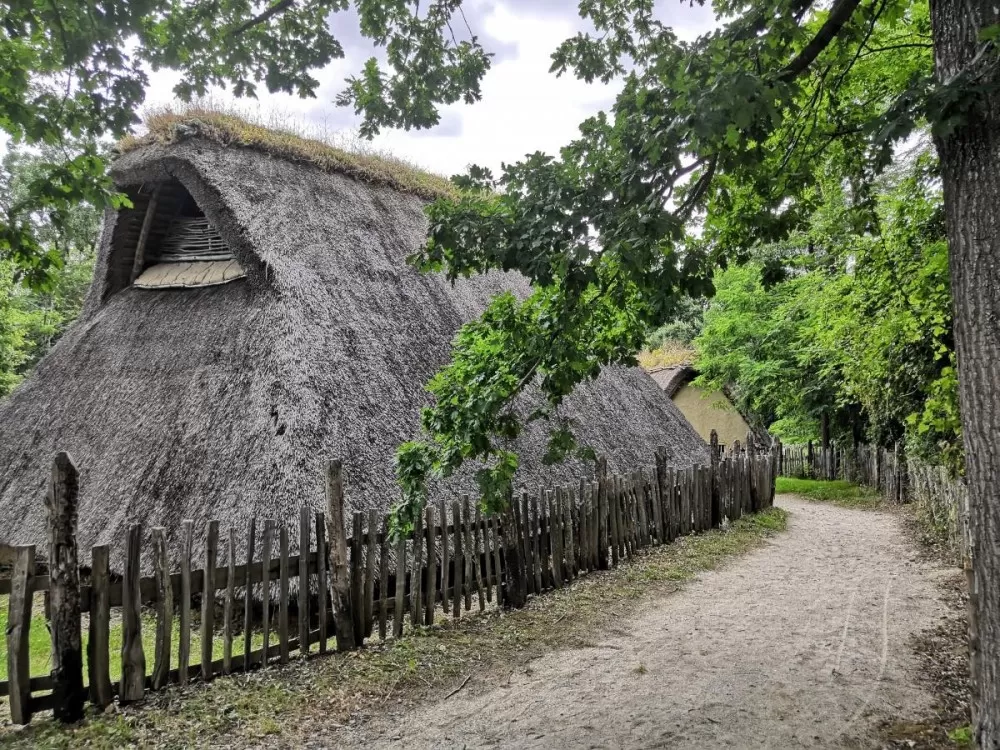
[18, 635]
[516, 594]
[340, 580]
[661, 520]
[133, 682]
[602, 513]
[64, 591]
[716, 497]
[98, 657]
[208, 599]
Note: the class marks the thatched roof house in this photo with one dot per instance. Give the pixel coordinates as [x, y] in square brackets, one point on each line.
[212, 375]
[705, 410]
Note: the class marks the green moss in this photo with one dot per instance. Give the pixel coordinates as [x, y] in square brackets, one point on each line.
[838, 492]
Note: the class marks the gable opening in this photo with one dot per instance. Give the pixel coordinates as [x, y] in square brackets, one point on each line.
[165, 241]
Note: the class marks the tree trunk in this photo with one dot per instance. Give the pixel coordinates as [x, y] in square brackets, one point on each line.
[970, 171]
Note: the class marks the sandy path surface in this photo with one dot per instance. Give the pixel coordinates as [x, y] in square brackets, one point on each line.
[803, 643]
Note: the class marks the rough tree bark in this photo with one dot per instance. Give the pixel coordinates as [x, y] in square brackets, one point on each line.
[970, 170]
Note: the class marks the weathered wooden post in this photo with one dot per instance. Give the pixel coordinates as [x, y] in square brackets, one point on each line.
[18, 635]
[64, 588]
[809, 459]
[602, 514]
[661, 500]
[133, 682]
[340, 579]
[714, 480]
[516, 594]
[98, 648]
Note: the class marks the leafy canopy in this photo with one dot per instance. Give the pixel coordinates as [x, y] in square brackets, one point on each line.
[31, 320]
[731, 133]
[859, 330]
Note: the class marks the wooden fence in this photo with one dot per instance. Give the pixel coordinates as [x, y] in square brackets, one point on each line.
[355, 586]
[871, 466]
[941, 501]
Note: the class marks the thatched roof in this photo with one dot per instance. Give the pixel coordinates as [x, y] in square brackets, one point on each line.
[670, 379]
[226, 401]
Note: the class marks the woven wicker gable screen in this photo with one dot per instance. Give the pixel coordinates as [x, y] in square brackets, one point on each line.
[190, 252]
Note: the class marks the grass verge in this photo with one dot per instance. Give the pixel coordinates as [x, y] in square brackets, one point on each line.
[40, 642]
[838, 492]
[306, 699]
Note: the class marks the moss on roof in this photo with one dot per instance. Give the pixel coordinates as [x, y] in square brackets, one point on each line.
[169, 125]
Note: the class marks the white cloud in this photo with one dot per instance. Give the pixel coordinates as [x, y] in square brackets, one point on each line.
[524, 107]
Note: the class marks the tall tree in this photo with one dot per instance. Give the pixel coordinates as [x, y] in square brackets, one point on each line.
[968, 142]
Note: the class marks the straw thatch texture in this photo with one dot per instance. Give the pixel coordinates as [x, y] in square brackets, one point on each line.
[670, 379]
[225, 402]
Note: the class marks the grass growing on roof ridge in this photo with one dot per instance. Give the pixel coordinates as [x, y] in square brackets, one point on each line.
[838, 492]
[231, 127]
[299, 701]
[670, 354]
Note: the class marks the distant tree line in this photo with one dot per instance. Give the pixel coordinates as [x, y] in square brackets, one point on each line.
[846, 322]
[32, 318]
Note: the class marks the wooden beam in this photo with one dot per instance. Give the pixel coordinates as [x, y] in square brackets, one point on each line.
[139, 259]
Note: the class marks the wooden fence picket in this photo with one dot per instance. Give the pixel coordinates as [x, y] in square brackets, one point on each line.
[445, 557]
[248, 594]
[459, 561]
[305, 541]
[208, 599]
[230, 602]
[469, 552]
[98, 645]
[397, 620]
[164, 610]
[477, 538]
[284, 595]
[430, 581]
[19, 635]
[133, 682]
[265, 586]
[322, 581]
[369, 605]
[417, 577]
[184, 649]
[357, 578]
[497, 567]
[383, 580]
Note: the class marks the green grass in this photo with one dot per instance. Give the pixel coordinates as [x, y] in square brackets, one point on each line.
[838, 492]
[307, 697]
[40, 643]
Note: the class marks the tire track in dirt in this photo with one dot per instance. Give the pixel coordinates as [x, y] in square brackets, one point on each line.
[804, 643]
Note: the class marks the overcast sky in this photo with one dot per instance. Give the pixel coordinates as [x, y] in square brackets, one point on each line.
[524, 108]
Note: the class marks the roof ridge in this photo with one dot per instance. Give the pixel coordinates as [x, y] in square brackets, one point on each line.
[168, 127]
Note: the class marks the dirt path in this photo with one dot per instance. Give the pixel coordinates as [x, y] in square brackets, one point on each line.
[801, 644]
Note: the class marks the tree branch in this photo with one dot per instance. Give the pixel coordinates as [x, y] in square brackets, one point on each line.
[698, 190]
[839, 15]
[279, 7]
